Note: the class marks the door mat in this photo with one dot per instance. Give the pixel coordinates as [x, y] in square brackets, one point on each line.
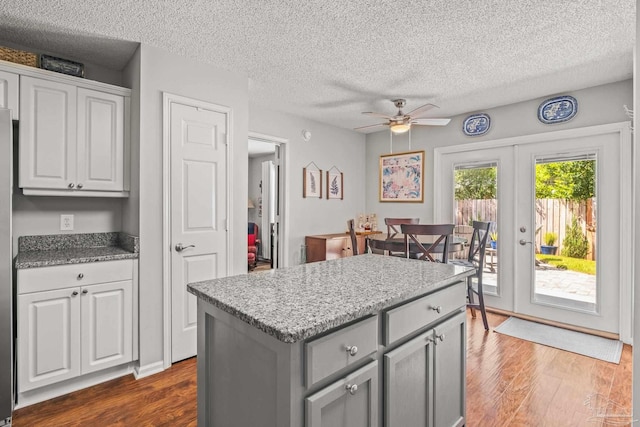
[575, 342]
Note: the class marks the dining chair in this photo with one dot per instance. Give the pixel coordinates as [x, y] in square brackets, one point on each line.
[476, 259]
[437, 248]
[354, 239]
[393, 229]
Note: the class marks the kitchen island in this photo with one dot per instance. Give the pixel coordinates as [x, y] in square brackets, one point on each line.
[349, 342]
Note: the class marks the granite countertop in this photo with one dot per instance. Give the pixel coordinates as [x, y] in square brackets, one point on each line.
[299, 302]
[60, 249]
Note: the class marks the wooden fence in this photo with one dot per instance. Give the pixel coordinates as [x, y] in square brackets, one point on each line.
[552, 215]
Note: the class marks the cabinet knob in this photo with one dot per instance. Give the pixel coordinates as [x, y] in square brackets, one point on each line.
[440, 337]
[80, 276]
[74, 293]
[436, 308]
[352, 388]
[84, 291]
[80, 185]
[71, 185]
[352, 350]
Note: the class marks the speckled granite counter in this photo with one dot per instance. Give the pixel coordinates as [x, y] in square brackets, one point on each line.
[59, 249]
[302, 301]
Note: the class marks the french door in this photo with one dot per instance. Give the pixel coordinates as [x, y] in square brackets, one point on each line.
[587, 282]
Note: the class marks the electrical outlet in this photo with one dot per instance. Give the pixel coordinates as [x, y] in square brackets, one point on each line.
[66, 222]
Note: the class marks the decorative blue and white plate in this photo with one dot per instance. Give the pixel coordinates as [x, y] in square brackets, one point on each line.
[558, 109]
[476, 124]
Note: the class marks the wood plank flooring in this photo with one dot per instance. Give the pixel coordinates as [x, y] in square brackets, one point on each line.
[510, 382]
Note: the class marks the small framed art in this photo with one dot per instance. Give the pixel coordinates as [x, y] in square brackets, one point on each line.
[335, 182]
[311, 183]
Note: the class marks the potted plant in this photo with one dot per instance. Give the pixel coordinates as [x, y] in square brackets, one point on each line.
[549, 240]
[494, 239]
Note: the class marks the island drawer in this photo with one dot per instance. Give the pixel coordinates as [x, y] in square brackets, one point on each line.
[402, 321]
[65, 276]
[335, 351]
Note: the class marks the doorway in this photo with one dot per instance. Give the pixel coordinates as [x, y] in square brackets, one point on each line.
[266, 169]
[586, 175]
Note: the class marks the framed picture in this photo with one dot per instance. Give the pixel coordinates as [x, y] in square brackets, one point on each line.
[312, 183]
[402, 177]
[334, 185]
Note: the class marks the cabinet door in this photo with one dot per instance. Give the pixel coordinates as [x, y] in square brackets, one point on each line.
[336, 248]
[48, 337]
[100, 141]
[47, 134]
[9, 93]
[408, 382]
[449, 371]
[350, 402]
[106, 325]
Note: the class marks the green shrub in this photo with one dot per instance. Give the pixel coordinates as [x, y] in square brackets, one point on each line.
[575, 243]
[550, 238]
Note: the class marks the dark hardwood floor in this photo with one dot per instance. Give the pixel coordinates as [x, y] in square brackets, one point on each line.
[510, 382]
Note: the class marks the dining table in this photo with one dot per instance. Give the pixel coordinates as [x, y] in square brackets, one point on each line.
[395, 243]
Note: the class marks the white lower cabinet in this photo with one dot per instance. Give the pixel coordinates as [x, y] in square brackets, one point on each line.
[425, 378]
[68, 332]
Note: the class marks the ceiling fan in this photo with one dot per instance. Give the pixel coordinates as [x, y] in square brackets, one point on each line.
[401, 122]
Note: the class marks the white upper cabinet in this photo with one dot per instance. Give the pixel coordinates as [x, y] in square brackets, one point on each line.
[73, 137]
[100, 141]
[47, 134]
[9, 92]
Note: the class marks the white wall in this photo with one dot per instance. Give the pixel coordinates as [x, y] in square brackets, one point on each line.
[161, 71]
[597, 105]
[329, 146]
[636, 224]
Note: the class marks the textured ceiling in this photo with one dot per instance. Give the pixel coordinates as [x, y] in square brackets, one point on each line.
[329, 60]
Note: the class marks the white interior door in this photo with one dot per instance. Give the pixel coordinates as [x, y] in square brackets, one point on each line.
[198, 139]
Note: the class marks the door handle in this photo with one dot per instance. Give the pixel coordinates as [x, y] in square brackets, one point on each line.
[180, 247]
[524, 242]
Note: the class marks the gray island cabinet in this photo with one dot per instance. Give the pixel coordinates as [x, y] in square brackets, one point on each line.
[361, 341]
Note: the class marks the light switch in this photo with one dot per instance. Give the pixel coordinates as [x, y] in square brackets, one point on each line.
[66, 222]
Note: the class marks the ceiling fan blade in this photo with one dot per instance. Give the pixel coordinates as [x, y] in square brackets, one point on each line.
[371, 113]
[371, 126]
[431, 122]
[418, 111]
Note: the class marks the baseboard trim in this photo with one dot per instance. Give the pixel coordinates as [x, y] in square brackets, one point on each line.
[147, 370]
[603, 334]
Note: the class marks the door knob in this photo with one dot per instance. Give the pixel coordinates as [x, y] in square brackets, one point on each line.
[524, 242]
[180, 247]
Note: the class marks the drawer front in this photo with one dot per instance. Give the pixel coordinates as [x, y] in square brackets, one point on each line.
[408, 318]
[65, 276]
[336, 351]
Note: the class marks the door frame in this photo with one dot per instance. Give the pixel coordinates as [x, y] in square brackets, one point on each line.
[283, 229]
[627, 166]
[167, 99]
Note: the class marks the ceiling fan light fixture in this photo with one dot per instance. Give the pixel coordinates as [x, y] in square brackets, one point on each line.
[399, 127]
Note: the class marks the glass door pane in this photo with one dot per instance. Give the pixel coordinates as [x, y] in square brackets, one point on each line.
[565, 237]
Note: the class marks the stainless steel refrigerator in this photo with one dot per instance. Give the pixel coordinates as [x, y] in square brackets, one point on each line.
[6, 268]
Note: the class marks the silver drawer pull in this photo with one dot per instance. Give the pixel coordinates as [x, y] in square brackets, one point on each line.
[352, 350]
[80, 276]
[436, 308]
[352, 388]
